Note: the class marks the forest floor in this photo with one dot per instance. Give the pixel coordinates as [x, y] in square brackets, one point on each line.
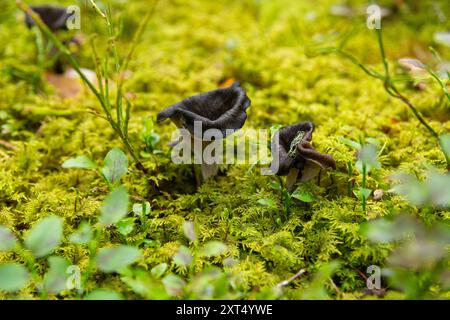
[197, 46]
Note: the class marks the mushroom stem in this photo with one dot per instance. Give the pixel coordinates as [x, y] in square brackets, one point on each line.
[198, 181]
[209, 170]
[291, 178]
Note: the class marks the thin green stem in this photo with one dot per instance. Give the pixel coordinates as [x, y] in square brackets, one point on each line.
[40, 48]
[348, 56]
[388, 83]
[102, 94]
[383, 55]
[97, 9]
[363, 195]
[416, 112]
[124, 67]
[440, 82]
[93, 246]
[350, 179]
[112, 38]
[285, 197]
[98, 67]
[127, 117]
[31, 264]
[24, 7]
[355, 61]
[393, 91]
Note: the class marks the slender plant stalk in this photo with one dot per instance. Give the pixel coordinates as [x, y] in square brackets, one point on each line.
[383, 55]
[440, 82]
[436, 76]
[285, 198]
[25, 8]
[393, 91]
[350, 179]
[31, 262]
[389, 86]
[120, 124]
[364, 179]
[93, 246]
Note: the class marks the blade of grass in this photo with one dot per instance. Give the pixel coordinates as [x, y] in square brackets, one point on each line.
[24, 7]
[102, 98]
[389, 86]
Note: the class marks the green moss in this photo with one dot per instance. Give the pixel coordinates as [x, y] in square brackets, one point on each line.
[193, 46]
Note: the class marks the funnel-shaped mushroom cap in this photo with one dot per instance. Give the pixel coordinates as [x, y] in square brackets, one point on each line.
[292, 145]
[221, 109]
[54, 17]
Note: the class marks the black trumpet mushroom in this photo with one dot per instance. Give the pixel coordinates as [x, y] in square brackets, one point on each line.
[294, 156]
[54, 17]
[222, 109]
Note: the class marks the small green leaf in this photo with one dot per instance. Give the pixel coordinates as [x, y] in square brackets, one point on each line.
[368, 157]
[438, 186]
[189, 230]
[115, 165]
[350, 143]
[7, 239]
[413, 189]
[149, 136]
[174, 285]
[145, 285]
[445, 144]
[114, 259]
[214, 248]
[275, 185]
[303, 195]
[362, 192]
[267, 203]
[81, 162]
[374, 141]
[13, 277]
[142, 209]
[183, 257]
[159, 270]
[83, 235]
[380, 230]
[45, 236]
[56, 278]
[278, 220]
[150, 243]
[125, 226]
[103, 294]
[326, 271]
[316, 289]
[115, 206]
[383, 230]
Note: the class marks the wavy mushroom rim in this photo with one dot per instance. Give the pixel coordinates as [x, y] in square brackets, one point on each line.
[221, 116]
[307, 157]
[54, 17]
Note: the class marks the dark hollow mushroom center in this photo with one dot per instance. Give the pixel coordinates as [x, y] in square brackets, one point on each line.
[293, 149]
[53, 17]
[212, 108]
